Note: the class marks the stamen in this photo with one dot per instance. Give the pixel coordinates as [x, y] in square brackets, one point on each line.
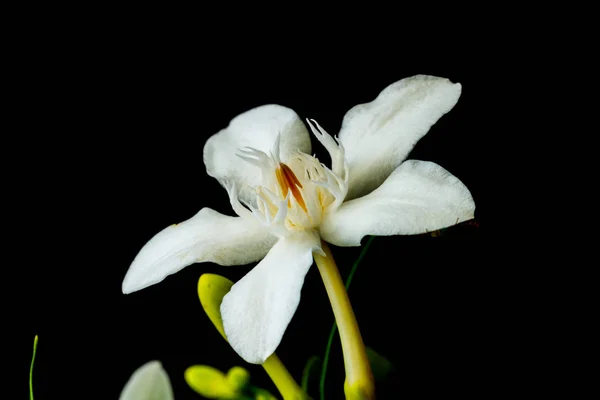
[288, 181]
[290, 175]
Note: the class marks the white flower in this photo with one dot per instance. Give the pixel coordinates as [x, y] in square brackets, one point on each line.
[287, 201]
[148, 382]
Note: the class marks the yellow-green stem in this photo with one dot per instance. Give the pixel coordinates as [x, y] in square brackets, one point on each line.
[283, 380]
[359, 378]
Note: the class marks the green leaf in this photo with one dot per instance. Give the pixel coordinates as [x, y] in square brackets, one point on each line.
[380, 365]
[311, 371]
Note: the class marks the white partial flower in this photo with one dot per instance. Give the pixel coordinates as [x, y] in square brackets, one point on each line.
[148, 382]
[287, 201]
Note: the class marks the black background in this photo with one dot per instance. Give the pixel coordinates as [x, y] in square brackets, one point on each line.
[109, 148]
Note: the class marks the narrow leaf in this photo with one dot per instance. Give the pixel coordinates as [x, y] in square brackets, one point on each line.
[35, 342]
[380, 365]
[311, 371]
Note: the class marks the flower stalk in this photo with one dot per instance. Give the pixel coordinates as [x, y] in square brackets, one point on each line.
[359, 378]
[282, 379]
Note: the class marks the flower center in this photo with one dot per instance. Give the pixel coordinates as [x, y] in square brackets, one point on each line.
[295, 195]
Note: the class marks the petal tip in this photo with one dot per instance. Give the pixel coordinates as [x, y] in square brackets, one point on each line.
[153, 365]
[131, 285]
[126, 289]
[151, 377]
[254, 358]
[126, 286]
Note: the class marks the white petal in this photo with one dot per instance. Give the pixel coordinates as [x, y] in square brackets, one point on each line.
[148, 382]
[259, 129]
[378, 136]
[206, 237]
[260, 306]
[418, 197]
